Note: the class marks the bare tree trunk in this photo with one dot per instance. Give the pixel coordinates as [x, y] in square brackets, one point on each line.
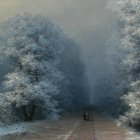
[25, 113]
[32, 113]
[29, 115]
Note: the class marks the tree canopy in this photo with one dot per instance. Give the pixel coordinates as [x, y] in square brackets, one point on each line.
[47, 75]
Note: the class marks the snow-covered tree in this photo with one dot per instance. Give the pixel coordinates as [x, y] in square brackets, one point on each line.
[46, 75]
[129, 16]
[32, 43]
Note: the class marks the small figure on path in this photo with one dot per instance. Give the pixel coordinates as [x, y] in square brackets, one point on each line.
[84, 116]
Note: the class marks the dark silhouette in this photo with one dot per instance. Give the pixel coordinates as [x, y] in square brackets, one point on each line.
[87, 116]
[84, 116]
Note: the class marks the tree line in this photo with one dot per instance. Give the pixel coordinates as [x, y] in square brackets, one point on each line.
[127, 35]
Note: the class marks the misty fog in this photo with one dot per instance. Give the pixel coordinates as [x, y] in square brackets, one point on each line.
[60, 56]
[88, 22]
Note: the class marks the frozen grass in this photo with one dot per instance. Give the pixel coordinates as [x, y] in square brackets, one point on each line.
[13, 128]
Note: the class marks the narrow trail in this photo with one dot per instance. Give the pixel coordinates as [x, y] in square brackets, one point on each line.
[74, 128]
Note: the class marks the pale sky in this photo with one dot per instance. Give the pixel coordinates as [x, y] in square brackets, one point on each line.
[75, 16]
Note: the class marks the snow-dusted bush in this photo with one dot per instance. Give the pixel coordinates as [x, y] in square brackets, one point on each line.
[46, 76]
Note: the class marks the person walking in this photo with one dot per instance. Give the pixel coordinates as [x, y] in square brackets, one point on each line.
[84, 116]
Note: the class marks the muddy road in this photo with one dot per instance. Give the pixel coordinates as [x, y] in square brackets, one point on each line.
[74, 128]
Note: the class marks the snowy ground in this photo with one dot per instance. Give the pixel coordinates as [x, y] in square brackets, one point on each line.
[69, 128]
[41, 130]
[132, 135]
[15, 128]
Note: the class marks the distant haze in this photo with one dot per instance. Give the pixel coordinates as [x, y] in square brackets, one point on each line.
[87, 21]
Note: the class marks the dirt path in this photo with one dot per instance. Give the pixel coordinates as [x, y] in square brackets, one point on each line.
[84, 131]
[106, 129]
[74, 128]
[101, 128]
